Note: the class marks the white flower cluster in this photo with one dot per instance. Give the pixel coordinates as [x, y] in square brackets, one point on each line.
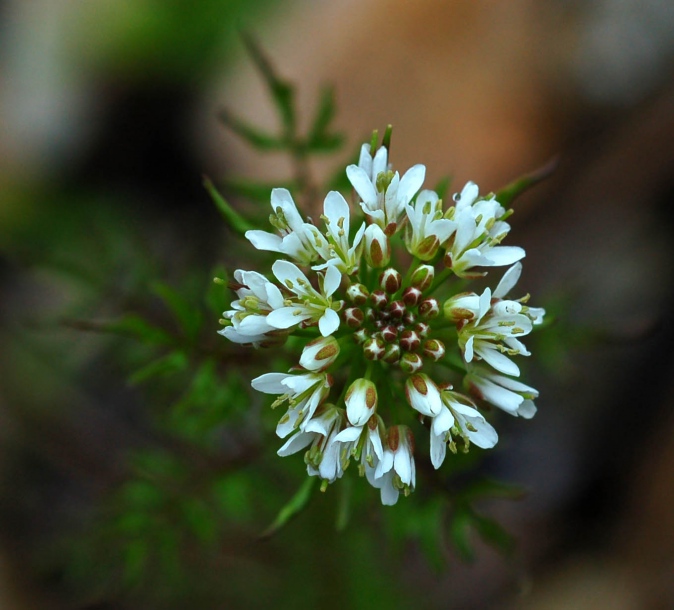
[378, 338]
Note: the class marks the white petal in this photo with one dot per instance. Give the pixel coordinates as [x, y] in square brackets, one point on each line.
[499, 361]
[389, 494]
[486, 436]
[527, 409]
[379, 163]
[296, 443]
[401, 464]
[282, 198]
[365, 159]
[264, 241]
[349, 434]
[270, 383]
[468, 349]
[468, 195]
[508, 281]
[329, 322]
[332, 280]
[289, 275]
[362, 183]
[411, 182]
[438, 450]
[285, 317]
[505, 255]
[335, 207]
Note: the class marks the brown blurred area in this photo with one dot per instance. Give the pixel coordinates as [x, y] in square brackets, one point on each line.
[487, 91]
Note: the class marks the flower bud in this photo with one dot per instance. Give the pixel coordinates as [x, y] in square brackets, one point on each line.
[434, 349]
[390, 280]
[423, 395]
[389, 333]
[409, 318]
[392, 353]
[354, 317]
[462, 306]
[411, 296]
[377, 250]
[429, 308]
[357, 294]
[374, 348]
[361, 401]
[409, 340]
[422, 329]
[319, 354]
[427, 249]
[397, 309]
[423, 276]
[360, 336]
[410, 362]
[379, 299]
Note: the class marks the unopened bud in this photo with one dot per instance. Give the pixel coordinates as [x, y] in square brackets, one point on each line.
[354, 317]
[411, 296]
[389, 333]
[422, 329]
[357, 294]
[360, 336]
[397, 309]
[374, 348]
[409, 318]
[427, 249]
[429, 308]
[462, 307]
[390, 280]
[434, 349]
[409, 340]
[369, 314]
[410, 362]
[379, 299]
[423, 276]
[377, 250]
[392, 353]
[319, 354]
[361, 401]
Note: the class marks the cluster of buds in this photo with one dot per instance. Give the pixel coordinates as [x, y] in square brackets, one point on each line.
[373, 330]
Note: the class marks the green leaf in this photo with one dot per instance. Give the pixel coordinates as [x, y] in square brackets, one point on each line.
[282, 91]
[494, 533]
[234, 220]
[319, 140]
[200, 519]
[255, 137]
[132, 326]
[254, 189]
[459, 532]
[491, 488]
[186, 314]
[165, 365]
[292, 508]
[217, 293]
[509, 193]
[135, 560]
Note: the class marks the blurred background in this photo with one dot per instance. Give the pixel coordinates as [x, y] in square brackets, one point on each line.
[128, 486]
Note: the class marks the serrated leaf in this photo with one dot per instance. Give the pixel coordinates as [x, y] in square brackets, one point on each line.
[282, 91]
[234, 220]
[186, 314]
[292, 508]
[165, 365]
[506, 195]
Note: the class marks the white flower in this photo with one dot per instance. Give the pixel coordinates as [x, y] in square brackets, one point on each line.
[323, 458]
[334, 247]
[311, 305]
[395, 472]
[383, 193]
[423, 395]
[295, 240]
[479, 231]
[427, 228]
[508, 394]
[493, 333]
[458, 418]
[257, 298]
[304, 393]
[363, 442]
